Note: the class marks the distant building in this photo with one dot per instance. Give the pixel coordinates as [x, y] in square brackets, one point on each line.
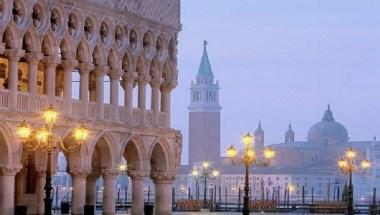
[311, 164]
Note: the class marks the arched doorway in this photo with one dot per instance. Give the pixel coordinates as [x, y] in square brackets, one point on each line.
[100, 184]
[162, 178]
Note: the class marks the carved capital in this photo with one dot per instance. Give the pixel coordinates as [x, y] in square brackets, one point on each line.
[85, 68]
[166, 177]
[169, 85]
[110, 173]
[33, 58]
[137, 174]
[9, 171]
[101, 70]
[14, 54]
[69, 65]
[143, 80]
[51, 61]
[130, 76]
[79, 173]
[115, 74]
[155, 82]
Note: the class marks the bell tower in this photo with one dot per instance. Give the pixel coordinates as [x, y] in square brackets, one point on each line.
[204, 114]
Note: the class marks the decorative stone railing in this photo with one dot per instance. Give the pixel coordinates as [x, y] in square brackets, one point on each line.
[25, 103]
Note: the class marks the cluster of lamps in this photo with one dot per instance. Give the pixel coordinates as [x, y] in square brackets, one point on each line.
[349, 164]
[249, 157]
[205, 171]
[43, 138]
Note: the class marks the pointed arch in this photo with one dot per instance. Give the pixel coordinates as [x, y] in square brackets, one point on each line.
[104, 147]
[49, 46]
[133, 151]
[159, 155]
[10, 37]
[7, 140]
[67, 48]
[83, 52]
[98, 56]
[31, 42]
[113, 60]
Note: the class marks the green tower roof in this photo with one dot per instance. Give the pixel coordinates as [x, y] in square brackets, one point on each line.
[205, 67]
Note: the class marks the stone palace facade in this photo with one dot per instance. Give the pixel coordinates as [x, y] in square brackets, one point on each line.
[44, 45]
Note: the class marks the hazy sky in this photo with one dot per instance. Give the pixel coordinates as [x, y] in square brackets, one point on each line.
[281, 61]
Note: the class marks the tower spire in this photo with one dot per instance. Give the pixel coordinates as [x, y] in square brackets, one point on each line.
[204, 70]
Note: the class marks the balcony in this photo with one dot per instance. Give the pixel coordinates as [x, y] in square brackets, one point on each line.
[78, 110]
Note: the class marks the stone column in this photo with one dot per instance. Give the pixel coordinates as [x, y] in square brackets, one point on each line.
[137, 191]
[78, 192]
[155, 100]
[91, 188]
[109, 178]
[142, 82]
[114, 97]
[84, 71]
[129, 78]
[7, 188]
[68, 67]
[163, 192]
[50, 75]
[33, 60]
[165, 103]
[13, 57]
[40, 192]
[100, 72]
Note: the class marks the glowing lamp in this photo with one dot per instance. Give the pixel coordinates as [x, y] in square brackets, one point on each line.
[342, 163]
[269, 153]
[215, 173]
[231, 152]
[351, 154]
[81, 133]
[366, 164]
[194, 172]
[250, 153]
[24, 131]
[50, 115]
[123, 167]
[43, 134]
[248, 139]
[205, 164]
[291, 188]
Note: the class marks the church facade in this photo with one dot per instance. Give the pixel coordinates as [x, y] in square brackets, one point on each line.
[48, 46]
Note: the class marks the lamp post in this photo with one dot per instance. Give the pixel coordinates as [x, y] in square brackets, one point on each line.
[248, 158]
[43, 138]
[204, 171]
[348, 165]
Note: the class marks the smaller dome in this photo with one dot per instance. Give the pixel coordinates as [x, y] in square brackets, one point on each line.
[328, 130]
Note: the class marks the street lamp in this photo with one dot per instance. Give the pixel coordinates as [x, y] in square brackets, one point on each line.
[248, 157]
[43, 138]
[348, 165]
[204, 171]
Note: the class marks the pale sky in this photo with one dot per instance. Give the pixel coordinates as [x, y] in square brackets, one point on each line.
[281, 61]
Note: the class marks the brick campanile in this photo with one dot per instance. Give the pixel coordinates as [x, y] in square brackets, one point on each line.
[204, 115]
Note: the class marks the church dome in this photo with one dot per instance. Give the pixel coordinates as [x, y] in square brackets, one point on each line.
[327, 131]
